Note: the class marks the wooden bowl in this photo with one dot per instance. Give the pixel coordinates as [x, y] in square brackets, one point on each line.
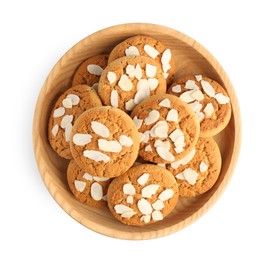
[191, 58]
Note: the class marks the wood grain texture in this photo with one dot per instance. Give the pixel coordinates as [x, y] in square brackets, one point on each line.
[191, 58]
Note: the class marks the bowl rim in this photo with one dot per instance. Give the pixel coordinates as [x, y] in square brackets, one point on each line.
[53, 189]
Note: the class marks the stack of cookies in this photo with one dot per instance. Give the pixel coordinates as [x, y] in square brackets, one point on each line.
[137, 138]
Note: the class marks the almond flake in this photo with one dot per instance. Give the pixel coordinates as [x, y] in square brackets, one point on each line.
[67, 119]
[109, 146]
[145, 137]
[208, 89]
[100, 129]
[82, 139]
[59, 112]
[150, 70]
[166, 56]
[165, 154]
[209, 109]
[148, 148]
[221, 99]
[143, 178]
[87, 176]
[190, 84]
[160, 129]
[203, 167]
[190, 176]
[95, 86]
[185, 160]
[120, 208]
[157, 215]
[67, 103]
[176, 89]
[111, 76]
[132, 50]
[129, 199]
[172, 115]
[158, 205]
[125, 141]
[198, 95]
[96, 156]
[165, 144]
[130, 71]
[68, 132]
[141, 137]
[195, 106]
[55, 130]
[163, 165]
[151, 51]
[178, 149]
[180, 176]
[165, 103]
[144, 206]
[100, 178]
[149, 190]
[152, 117]
[145, 218]
[143, 91]
[114, 98]
[153, 83]
[175, 134]
[137, 122]
[128, 214]
[129, 189]
[187, 96]
[166, 75]
[104, 197]
[74, 99]
[125, 83]
[130, 105]
[96, 191]
[166, 67]
[94, 69]
[200, 115]
[79, 185]
[138, 72]
[198, 77]
[166, 194]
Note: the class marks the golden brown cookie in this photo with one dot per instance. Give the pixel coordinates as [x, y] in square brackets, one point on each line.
[167, 126]
[87, 188]
[65, 112]
[129, 80]
[199, 170]
[88, 73]
[104, 142]
[208, 99]
[146, 46]
[143, 195]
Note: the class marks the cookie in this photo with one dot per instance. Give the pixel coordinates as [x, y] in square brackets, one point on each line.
[168, 128]
[208, 99]
[199, 170]
[129, 80]
[65, 112]
[146, 46]
[88, 73]
[143, 195]
[104, 142]
[87, 188]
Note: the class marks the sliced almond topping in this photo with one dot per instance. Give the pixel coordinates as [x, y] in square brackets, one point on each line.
[160, 129]
[176, 89]
[67, 119]
[109, 146]
[125, 141]
[200, 115]
[208, 89]
[175, 134]
[151, 51]
[166, 194]
[125, 83]
[132, 50]
[68, 132]
[87, 176]
[166, 75]
[152, 117]
[141, 136]
[145, 218]
[129, 189]
[143, 91]
[165, 154]
[145, 137]
[157, 215]
[158, 205]
[144, 206]
[100, 178]
[96, 156]
[59, 112]
[187, 96]
[178, 149]
[96, 191]
[180, 176]
[130, 71]
[150, 70]
[111, 76]
[153, 83]
[165, 103]
[163, 165]
[185, 160]
[166, 56]
[114, 98]
[209, 109]
[195, 106]
[129, 199]
[128, 214]
[79, 185]
[143, 178]
[198, 95]
[138, 72]
[198, 77]
[74, 99]
[221, 99]
[100, 129]
[149, 190]
[120, 208]
[172, 115]
[82, 139]
[67, 103]
[166, 67]
[94, 69]
[190, 176]
[95, 86]
[165, 144]
[148, 148]
[130, 105]
[203, 167]
[137, 122]
[55, 130]
[190, 84]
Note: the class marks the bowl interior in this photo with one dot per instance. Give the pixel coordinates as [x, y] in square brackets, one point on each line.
[191, 58]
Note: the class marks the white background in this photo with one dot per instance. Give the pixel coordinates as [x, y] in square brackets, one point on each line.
[35, 34]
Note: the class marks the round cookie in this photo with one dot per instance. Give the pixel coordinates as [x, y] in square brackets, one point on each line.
[199, 170]
[129, 80]
[208, 99]
[66, 110]
[168, 128]
[146, 46]
[87, 188]
[143, 195]
[88, 73]
[104, 142]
